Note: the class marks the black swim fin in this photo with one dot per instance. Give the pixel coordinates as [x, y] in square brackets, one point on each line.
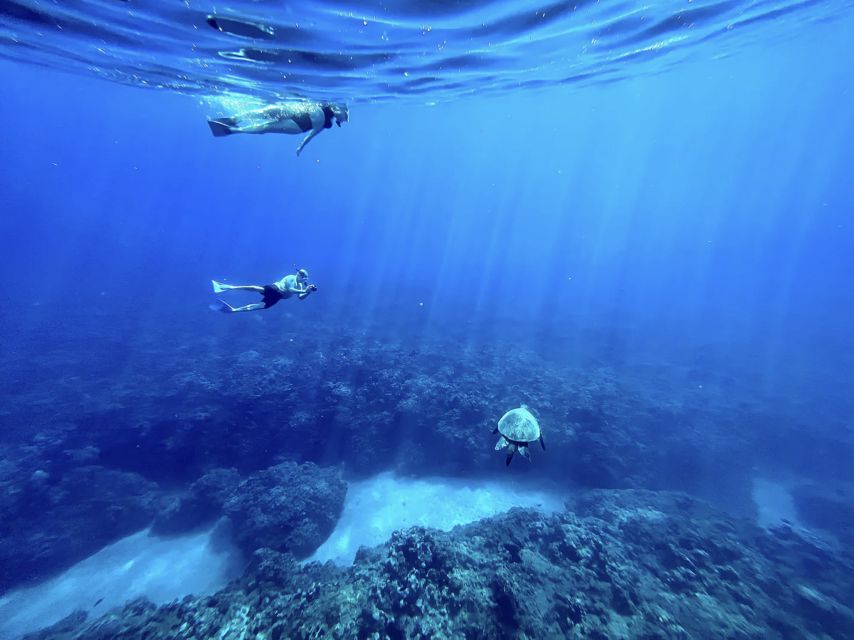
[221, 127]
[510, 451]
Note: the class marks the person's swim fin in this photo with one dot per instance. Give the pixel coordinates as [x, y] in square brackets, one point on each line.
[217, 287]
[221, 306]
[222, 126]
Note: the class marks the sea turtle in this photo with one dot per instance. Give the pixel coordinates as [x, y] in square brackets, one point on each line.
[518, 427]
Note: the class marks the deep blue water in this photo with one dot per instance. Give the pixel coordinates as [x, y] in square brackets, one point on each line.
[707, 205]
[690, 212]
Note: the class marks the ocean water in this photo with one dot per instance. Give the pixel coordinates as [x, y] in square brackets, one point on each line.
[633, 218]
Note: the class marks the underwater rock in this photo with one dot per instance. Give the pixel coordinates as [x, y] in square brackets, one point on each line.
[612, 569]
[203, 503]
[288, 507]
[51, 524]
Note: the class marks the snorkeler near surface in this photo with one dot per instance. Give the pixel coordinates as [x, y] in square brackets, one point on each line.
[289, 286]
[293, 116]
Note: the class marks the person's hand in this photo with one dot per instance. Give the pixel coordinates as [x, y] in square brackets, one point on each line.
[312, 287]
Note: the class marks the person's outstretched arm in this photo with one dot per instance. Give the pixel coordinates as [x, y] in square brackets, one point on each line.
[307, 139]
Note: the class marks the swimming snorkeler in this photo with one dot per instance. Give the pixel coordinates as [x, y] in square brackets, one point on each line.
[293, 116]
[287, 287]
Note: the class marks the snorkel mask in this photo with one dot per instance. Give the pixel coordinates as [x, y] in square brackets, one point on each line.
[341, 113]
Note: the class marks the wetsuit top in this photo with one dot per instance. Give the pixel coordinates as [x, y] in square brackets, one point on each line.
[328, 115]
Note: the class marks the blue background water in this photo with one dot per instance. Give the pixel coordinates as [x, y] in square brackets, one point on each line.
[686, 230]
[708, 206]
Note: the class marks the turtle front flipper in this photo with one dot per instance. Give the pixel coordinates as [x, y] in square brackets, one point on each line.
[542, 442]
[502, 442]
[510, 452]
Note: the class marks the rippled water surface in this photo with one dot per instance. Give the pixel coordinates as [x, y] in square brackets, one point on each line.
[372, 50]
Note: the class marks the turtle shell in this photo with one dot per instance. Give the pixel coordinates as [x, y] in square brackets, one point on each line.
[519, 425]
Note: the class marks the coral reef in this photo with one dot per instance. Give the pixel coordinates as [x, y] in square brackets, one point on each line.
[188, 423]
[616, 564]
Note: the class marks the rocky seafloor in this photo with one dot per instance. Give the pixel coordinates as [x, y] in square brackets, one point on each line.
[615, 564]
[101, 439]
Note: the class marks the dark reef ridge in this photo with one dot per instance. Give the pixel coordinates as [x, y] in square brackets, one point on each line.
[616, 564]
[48, 523]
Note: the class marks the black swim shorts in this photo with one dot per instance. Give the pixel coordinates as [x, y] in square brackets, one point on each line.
[271, 295]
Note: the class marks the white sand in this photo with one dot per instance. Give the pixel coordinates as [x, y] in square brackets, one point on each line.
[774, 503]
[775, 507]
[377, 507]
[162, 569]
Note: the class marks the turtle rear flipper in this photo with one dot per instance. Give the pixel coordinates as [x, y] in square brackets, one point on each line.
[510, 451]
[523, 449]
[502, 442]
[542, 442]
